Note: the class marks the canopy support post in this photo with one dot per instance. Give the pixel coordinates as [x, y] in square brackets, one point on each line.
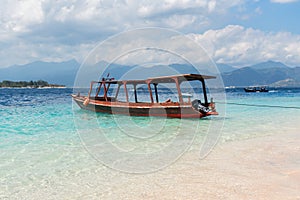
[135, 93]
[90, 91]
[178, 90]
[98, 89]
[204, 92]
[155, 89]
[126, 92]
[150, 91]
[117, 92]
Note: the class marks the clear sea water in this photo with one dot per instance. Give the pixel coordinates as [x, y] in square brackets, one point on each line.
[45, 138]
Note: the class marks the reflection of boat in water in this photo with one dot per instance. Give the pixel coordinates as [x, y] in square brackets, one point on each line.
[111, 102]
[256, 89]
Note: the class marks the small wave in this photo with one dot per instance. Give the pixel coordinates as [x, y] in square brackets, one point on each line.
[272, 91]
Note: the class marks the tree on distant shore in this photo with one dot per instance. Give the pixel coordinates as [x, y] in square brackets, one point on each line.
[31, 84]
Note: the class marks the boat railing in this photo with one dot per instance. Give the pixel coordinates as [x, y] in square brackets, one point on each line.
[152, 85]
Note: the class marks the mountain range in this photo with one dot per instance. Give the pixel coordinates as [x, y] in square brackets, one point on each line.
[52, 72]
[274, 74]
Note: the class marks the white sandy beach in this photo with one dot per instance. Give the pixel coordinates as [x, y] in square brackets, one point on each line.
[260, 168]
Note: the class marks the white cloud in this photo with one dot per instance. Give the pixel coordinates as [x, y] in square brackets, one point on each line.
[235, 45]
[22, 52]
[283, 1]
[241, 46]
[211, 5]
[18, 16]
[65, 29]
[68, 24]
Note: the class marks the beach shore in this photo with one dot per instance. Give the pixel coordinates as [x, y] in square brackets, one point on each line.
[258, 168]
[265, 167]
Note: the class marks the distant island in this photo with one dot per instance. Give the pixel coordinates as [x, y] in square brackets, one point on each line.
[28, 84]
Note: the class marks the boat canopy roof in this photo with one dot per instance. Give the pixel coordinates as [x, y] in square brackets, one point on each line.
[161, 79]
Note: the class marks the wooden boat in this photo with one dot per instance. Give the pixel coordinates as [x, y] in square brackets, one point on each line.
[182, 108]
[256, 89]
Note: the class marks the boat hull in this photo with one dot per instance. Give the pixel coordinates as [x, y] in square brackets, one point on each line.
[256, 90]
[171, 109]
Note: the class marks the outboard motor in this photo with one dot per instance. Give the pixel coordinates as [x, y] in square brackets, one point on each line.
[197, 105]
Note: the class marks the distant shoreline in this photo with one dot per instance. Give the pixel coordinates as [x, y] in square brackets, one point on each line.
[40, 84]
[64, 87]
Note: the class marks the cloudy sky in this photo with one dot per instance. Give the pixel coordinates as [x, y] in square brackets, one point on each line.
[236, 32]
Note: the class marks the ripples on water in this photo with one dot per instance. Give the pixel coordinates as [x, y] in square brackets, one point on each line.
[36, 111]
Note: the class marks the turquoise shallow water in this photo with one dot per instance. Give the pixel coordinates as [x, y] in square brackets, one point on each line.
[39, 138]
[263, 113]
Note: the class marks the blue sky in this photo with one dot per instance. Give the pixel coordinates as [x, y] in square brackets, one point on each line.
[237, 32]
[274, 17]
